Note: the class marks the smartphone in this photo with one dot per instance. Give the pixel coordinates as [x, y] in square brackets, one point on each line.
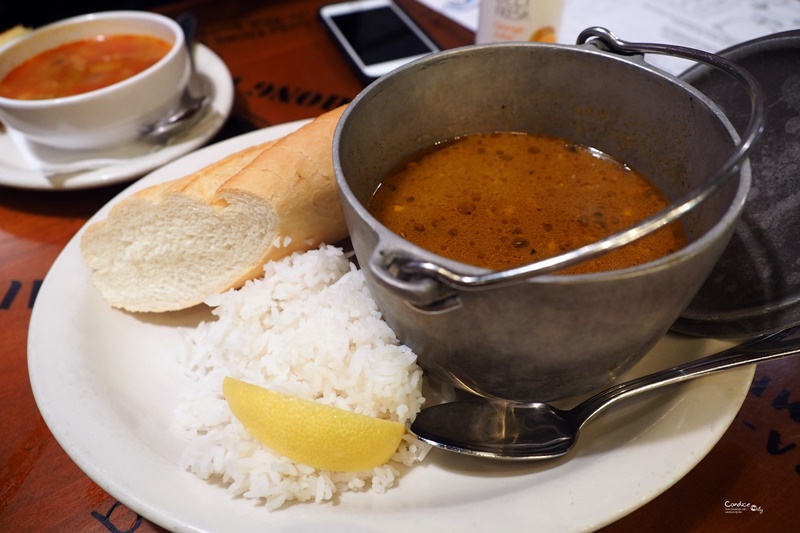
[375, 35]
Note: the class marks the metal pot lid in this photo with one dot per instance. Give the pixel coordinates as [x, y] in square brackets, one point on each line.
[755, 287]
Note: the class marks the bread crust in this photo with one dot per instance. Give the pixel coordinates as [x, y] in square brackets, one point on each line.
[297, 178]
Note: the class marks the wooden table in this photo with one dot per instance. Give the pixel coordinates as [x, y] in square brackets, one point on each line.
[285, 68]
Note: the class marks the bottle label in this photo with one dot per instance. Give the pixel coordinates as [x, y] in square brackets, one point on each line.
[519, 20]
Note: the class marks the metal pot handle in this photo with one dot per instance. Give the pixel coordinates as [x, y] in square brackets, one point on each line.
[411, 277]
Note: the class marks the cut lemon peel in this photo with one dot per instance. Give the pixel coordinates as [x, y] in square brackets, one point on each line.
[311, 433]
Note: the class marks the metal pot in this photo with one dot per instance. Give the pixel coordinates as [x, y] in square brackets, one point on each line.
[539, 336]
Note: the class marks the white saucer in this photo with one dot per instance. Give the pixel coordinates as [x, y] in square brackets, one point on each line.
[127, 162]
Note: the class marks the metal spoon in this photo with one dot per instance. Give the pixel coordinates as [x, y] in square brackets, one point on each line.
[536, 431]
[194, 102]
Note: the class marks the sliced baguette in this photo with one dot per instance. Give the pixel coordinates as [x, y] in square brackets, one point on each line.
[170, 246]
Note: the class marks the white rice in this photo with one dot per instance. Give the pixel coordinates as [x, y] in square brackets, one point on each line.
[309, 328]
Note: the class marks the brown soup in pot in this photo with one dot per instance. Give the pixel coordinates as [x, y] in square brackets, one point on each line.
[500, 200]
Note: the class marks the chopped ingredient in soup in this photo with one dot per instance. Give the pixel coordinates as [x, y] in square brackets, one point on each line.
[82, 66]
[501, 200]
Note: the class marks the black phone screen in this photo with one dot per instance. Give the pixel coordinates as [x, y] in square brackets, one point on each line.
[379, 35]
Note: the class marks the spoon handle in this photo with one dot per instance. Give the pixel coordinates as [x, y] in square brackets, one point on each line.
[785, 343]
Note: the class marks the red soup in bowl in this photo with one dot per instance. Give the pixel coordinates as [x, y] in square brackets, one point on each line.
[82, 66]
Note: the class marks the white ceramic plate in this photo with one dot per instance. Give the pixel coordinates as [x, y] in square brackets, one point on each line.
[126, 162]
[106, 383]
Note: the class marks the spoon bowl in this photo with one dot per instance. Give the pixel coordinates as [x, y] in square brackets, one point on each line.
[537, 431]
[190, 110]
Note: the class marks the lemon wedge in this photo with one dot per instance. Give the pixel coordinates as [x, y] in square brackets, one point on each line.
[317, 435]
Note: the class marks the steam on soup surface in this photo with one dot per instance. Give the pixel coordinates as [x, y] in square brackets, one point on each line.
[82, 66]
[500, 200]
